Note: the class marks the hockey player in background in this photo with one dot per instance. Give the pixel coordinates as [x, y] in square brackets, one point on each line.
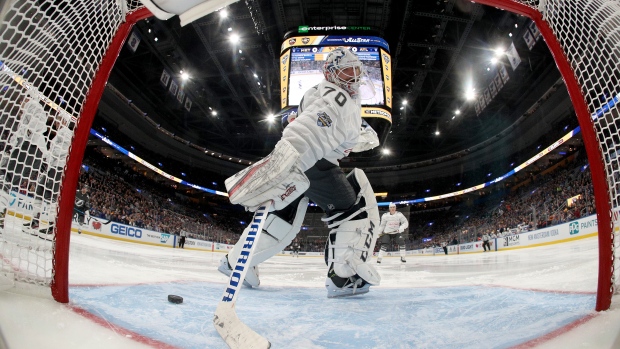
[304, 166]
[82, 205]
[28, 149]
[393, 224]
[48, 185]
[295, 252]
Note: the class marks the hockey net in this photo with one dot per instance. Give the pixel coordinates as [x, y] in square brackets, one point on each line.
[55, 58]
[584, 38]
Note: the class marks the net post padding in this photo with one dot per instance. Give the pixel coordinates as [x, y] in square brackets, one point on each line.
[593, 150]
[60, 281]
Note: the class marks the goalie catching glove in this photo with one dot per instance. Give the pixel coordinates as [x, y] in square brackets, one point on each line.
[277, 177]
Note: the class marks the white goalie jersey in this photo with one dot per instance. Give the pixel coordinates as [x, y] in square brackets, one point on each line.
[393, 223]
[327, 126]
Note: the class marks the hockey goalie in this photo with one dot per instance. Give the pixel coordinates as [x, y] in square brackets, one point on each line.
[304, 166]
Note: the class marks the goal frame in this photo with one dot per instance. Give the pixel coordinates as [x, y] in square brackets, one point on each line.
[605, 288]
[60, 280]
[602, 191]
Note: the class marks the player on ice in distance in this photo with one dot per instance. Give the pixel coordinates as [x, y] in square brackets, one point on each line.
[393, 225]
[304, 166]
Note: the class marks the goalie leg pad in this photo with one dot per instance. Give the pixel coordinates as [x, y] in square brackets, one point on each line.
[353, 238]
[277, 234]
[277, 177]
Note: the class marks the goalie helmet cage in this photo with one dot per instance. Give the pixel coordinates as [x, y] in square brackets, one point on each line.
[66, 49]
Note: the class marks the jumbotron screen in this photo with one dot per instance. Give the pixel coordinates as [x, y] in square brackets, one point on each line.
[306, 71]
[301, 62]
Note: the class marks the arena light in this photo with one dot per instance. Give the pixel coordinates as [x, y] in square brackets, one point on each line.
[234, 38]
[386, 151]
[457, 112]
[184, 76]
[223, 13]
[470, 94]
[271, 118]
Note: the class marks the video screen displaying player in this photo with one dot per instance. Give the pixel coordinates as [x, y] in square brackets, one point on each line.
[306, 71]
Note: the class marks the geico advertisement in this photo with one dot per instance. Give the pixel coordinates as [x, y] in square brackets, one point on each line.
[130, 233]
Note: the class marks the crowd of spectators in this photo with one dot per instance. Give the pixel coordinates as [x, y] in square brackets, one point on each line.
[541, 202]
[123, 194]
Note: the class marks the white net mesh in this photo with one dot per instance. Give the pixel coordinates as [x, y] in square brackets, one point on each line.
[589, 32]
[50, 52]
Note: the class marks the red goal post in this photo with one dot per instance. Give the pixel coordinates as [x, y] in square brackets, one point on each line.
[55, 60]
[584, 39]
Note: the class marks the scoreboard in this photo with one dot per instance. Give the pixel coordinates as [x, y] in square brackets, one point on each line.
[302, 57]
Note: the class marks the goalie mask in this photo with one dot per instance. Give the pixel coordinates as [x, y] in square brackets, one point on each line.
[343, 68]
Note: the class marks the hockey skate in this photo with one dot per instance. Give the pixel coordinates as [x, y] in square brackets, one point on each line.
[31, 227]
[345, 287]
[378, 260]
[251, 278]
[403, 260]
[46, 234]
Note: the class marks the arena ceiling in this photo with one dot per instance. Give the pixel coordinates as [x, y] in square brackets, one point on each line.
[438, 47]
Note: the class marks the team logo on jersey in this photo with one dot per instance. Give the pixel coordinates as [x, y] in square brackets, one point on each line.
[292, 41]
[324, 120]
[305, 41]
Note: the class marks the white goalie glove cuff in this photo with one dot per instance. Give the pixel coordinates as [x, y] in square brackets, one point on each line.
[367, 140]
[277, 177]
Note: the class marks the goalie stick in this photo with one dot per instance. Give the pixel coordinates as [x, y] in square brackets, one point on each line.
[234, 332]
[88, 217]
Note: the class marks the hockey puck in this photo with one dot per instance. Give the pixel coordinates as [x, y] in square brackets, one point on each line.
[175, 299]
